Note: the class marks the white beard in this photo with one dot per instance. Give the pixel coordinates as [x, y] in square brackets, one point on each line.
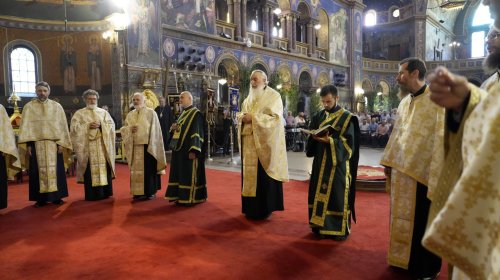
[256, 93]
[91, 106]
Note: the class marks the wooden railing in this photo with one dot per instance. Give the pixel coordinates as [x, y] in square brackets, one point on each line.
[257, 37]
[280, 43]
[226, 28]
[302, 48]
[321, 53]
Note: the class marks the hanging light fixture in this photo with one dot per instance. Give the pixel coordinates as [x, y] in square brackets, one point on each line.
[452, 5]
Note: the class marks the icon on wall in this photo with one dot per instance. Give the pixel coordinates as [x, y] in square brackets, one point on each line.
[234, 95]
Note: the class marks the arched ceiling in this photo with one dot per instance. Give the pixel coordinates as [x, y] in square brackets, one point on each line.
[446, 18]
[284, 5]
[384, 5]
[50, 14]
[449, 17]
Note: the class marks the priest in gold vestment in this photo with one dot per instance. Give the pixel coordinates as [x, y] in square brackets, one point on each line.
[464, 223]
[261, 137]
[413, 157]
[46, 149]
[9, 156]
[144, 149]
[93, 139]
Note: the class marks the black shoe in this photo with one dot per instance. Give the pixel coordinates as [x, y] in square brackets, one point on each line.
[39, 204]
[151, 197]
[258, 217]
[58, 202]
[339, 237]
[137, 197]
[432, 277]
[316, 233]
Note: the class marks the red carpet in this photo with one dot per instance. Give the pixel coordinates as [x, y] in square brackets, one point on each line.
[120, 239]
[370, 173]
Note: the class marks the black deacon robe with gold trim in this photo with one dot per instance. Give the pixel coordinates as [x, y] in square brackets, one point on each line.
[332, 184]
[187, 181]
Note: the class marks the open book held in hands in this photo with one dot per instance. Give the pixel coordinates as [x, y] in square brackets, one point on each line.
[320, 132]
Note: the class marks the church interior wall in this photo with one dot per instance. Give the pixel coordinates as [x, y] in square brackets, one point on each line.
[50, 45]
[389, 42]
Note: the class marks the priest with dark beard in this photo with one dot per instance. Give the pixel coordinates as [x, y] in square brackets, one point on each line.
[336, 155]
[46, 147]
[261, 136]
[463, 219]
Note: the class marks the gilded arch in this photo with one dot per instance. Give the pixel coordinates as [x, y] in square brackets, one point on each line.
[230, 63]
[322, 79]
[285, 74]
[367, 85]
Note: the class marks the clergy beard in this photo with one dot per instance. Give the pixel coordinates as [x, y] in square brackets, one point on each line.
[92, 106]
[256, 92]
[402, 93]
[492, 62]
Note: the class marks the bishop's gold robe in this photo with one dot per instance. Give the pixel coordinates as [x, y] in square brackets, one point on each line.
[45, 124]
[264, 140]
[96, 145]
[8, 146]
[149, 135]
[466, 228]
[415, 153]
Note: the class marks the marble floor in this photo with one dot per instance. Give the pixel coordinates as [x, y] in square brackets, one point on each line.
[299, 165]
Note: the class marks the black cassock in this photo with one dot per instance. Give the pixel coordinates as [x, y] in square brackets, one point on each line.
[3, 182]
[34, 183]
[166, 118]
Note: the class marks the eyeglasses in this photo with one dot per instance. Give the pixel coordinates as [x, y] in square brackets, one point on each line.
[492, 36]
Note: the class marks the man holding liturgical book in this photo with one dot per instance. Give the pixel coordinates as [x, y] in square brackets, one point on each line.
[336, 154]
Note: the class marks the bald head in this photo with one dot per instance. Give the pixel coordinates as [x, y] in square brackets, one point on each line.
[162, 101]
[186, 99]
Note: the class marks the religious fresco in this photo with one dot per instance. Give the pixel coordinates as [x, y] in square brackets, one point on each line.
[143, 33]
[357, 31]
[338, 37]
[195, 15]
[68, 63]
[357, 67]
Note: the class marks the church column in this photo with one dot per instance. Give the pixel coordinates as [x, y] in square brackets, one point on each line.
[310, 50]
[289, 32]
[267, 29]
[419, 42]
[236, 18]
[283, 26]
[243, 19]
[355, 54]
[230, 10]
[119, 77]
[420, 23]
[294, 33]
[271, 25]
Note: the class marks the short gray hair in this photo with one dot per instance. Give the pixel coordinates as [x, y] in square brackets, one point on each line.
[43, 84]
[141, 95]
[90, 92]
